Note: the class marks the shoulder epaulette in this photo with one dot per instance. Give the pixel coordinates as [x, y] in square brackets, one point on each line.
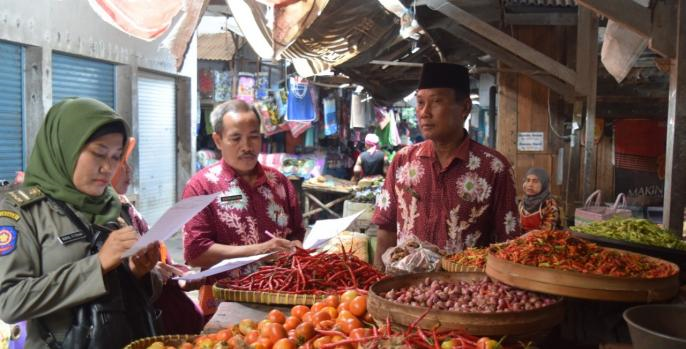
[25, 196]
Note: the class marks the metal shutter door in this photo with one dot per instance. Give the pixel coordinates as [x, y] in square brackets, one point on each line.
[156, 144]
[11, 102]
[81, 77]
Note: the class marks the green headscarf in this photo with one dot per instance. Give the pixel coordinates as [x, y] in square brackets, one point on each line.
[64, 132]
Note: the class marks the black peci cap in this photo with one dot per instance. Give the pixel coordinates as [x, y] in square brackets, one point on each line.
[450, 75]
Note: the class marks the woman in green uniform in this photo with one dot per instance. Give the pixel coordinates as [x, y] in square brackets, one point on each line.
[63, 234]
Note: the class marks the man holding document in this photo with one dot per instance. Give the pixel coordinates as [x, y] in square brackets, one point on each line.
[256, 211]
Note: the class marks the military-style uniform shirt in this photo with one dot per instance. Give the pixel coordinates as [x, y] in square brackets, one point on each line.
[45, 266]
[469, 203]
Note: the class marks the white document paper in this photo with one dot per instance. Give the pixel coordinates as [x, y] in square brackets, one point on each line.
[327, 229]
[223, 266]
[171, 221]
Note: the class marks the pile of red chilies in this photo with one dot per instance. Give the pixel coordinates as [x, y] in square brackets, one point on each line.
[304, 272]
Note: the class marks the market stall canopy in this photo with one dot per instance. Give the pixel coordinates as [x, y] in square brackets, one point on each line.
[315, 35]
[216, 46]
[152, 19]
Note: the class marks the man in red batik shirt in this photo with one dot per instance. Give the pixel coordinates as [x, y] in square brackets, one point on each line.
[253, 199]
[448, 190]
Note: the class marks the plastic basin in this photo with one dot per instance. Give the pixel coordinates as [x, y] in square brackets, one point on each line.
[656, 326]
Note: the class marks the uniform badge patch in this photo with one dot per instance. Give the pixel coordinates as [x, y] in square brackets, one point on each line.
[9, 214]
[8, 239]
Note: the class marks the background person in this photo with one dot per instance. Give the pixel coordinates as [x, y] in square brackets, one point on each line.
[538, 210]
[372, 161]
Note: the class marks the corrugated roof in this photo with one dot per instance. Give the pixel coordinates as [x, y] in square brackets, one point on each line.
[543, 3]
[215, 47]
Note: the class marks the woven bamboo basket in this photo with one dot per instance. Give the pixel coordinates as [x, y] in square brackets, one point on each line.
[580, 285]
[174, 339]
[229, 295]
[453, 267]
[524, 324]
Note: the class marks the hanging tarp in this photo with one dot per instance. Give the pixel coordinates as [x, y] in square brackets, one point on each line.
[146, 20]
[342, 29]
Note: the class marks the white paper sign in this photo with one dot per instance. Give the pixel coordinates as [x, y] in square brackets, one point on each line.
[530, 141]
[171, 221]
[223, 266]
[327, 229]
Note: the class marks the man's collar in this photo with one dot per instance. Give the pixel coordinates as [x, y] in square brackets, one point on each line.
[427, 150]
[231, 173]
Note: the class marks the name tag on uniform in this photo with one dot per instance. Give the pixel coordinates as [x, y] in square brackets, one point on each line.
[69, 238]
[231, 198]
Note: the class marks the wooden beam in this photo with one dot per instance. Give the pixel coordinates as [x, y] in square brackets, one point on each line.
[626, 12]
[565, 90]
[675, 181]
[587, 80]
[544, 18]
[573, 163]
[505, 41]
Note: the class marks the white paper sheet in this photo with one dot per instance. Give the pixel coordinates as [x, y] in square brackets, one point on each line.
[223, 266]
[171, 221]
[326, 229]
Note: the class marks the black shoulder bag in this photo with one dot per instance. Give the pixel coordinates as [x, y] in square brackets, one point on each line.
[113, 320]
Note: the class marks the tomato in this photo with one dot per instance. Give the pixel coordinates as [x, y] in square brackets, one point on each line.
[276, 316]
[368, 318]
[360, 333]
[449, 344]
[332, 301]
[325, 325]
[349, 295]
[246, 325]
[343, 306]
[299, 311]
[186, 345]
[284, 343]
[316, 307]
[263, 341]
[348, 324]
[204, 341]
[345, 315]
[307, 316]
[321, 316]
[257, 346]
[251, 337]
[358, 306]
[237, 341]
[262, 324]
[223, 335]
[291, 323]
[487, 343]
[304, 332]
[321, 341]
[332, 312]
[274, 332]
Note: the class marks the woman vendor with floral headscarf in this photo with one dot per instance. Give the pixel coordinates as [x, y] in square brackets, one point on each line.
[538, 210]
[63, 236]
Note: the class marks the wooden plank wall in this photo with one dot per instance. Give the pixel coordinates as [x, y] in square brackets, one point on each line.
[523, 107]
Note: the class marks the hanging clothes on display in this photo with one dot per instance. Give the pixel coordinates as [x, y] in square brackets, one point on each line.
[261, 86]
[330, 117]
[358, 118]
[246, 87]
[300, 100]
[298, 128]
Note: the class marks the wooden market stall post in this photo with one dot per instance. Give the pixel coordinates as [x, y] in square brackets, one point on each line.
[664, 24]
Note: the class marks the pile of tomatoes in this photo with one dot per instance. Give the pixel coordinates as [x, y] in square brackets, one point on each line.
[332, 320]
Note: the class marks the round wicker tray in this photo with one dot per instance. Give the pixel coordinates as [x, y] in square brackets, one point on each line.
[175, 340]
[229, 295]
[580, 285]
[453, 267]
[479, 324]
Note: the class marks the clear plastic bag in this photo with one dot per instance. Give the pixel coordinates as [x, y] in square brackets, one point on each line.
[411, 256]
